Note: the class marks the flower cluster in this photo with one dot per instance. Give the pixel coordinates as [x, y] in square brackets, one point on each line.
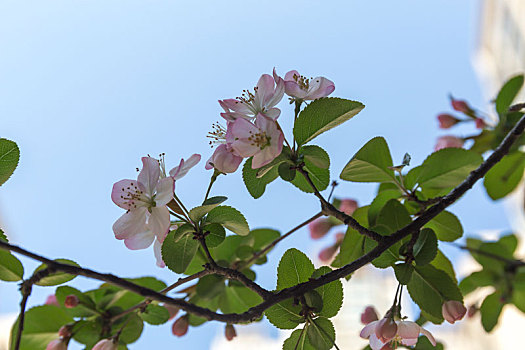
[252, 129]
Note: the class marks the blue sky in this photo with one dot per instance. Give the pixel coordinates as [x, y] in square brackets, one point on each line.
[88, 87]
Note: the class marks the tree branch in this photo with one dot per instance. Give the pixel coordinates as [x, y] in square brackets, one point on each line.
[256, 311]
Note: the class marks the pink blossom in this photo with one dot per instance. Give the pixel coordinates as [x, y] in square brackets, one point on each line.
[180, 326]
[71, 301]
[145, 202]
[298, 86]
[319, 228]
[328, 253]
[57, 344]
[224, 159]
[52, 300]
[447, 121]
[184, 166]
[229, 332]
[106, 344]
[369, 315]
[262, 140]
[447, 142]
[348, 206]
[379, 333]
[267, 94]
[453, 311]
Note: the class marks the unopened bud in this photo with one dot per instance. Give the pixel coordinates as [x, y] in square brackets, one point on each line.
[64, 332]
[453, 311]
[319, 228]
[229, 332]
[106, 344]
[472, 311]
[460, 106]
[173, 310]
[480, 123]
[348, 206]
[386, 329]
[327, 253]
[52, 300]
[71, 301]
[57, 344]
[369, 315]
[180, 326]
[447, 121]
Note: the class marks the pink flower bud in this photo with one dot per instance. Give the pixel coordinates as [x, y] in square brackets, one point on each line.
[386, 329]
[369, 315]
[229, 332]
[460, 106]
[71, 301]
[57, 344]
[319, 227]
[180, 326]
[52, 300]
[453, 311]
[447, 142]
[446, 120]
[472, 311]
[64, 332]
[480, 123]
[106, 344]
[173, 310]
[348, 206]
[224, 160]
[327, 253]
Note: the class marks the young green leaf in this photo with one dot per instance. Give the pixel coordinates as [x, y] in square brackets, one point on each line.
[370, 164]
[294, 268]
[505, 176]
[403, 272]
[353, 245]
[11, 269]
[319, 176]
[321, 333]
[425, 248]
[446, 226]
[178, 255]
[9, 156]
[285, 315]
[491, 310]
[57, 277]
[230, 218]
[133, 326]
[256, 186]
[298, 340]
[238, 299]
[322, 115]
[507, 94]
[198, 212]
[155, 314]
[215, 235]
[286, 171]
[331, 294]
[316, 156]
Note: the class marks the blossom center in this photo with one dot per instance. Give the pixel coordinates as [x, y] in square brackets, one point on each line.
[133, 196]
[260, 139]
[302, 81]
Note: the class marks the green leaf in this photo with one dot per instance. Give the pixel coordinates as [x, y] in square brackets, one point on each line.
[178, 255]
[87, 332]
[319, 176]
[331, 294]
[316, 155]
[447, 168]
[505, 176]
[9, 156]
[41, 326]
[379, 202]
[446, 226]
[230, 218]
[86, 306]
[425, 248]
[211, 304]
[509, 241]
[11, 269]
[132, 330]
[321, 333]
[424, 344]
[155, 314]
[298, 340]
[3, 237]
[238, 299]
[57, 277]
[430, 287]
[441, 262]
[263, 236]
[210, 286]
[286, 171]
[285, 315]
[322, 115]
[508, 93]
[403, 272]
[370, 164]
[198, 212]
[294, 268]
[490, 263]
[256, 186]
[182, 231]
[215, 235]
[475, 280]
[490, 311]
[126, 299]
[353, 245]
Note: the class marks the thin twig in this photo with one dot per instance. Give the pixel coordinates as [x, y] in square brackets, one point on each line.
[510, 262]
[261, 252]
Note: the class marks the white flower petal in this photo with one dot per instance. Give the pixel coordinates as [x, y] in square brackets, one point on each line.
[159, 221]
[164, 191]
[149, 175]
[140, 241]
[130, 223]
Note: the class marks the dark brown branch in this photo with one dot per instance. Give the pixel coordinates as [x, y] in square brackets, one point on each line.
[510, 262]
[239, 276]
[256, 311]
[256, 255]
[330, 210]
